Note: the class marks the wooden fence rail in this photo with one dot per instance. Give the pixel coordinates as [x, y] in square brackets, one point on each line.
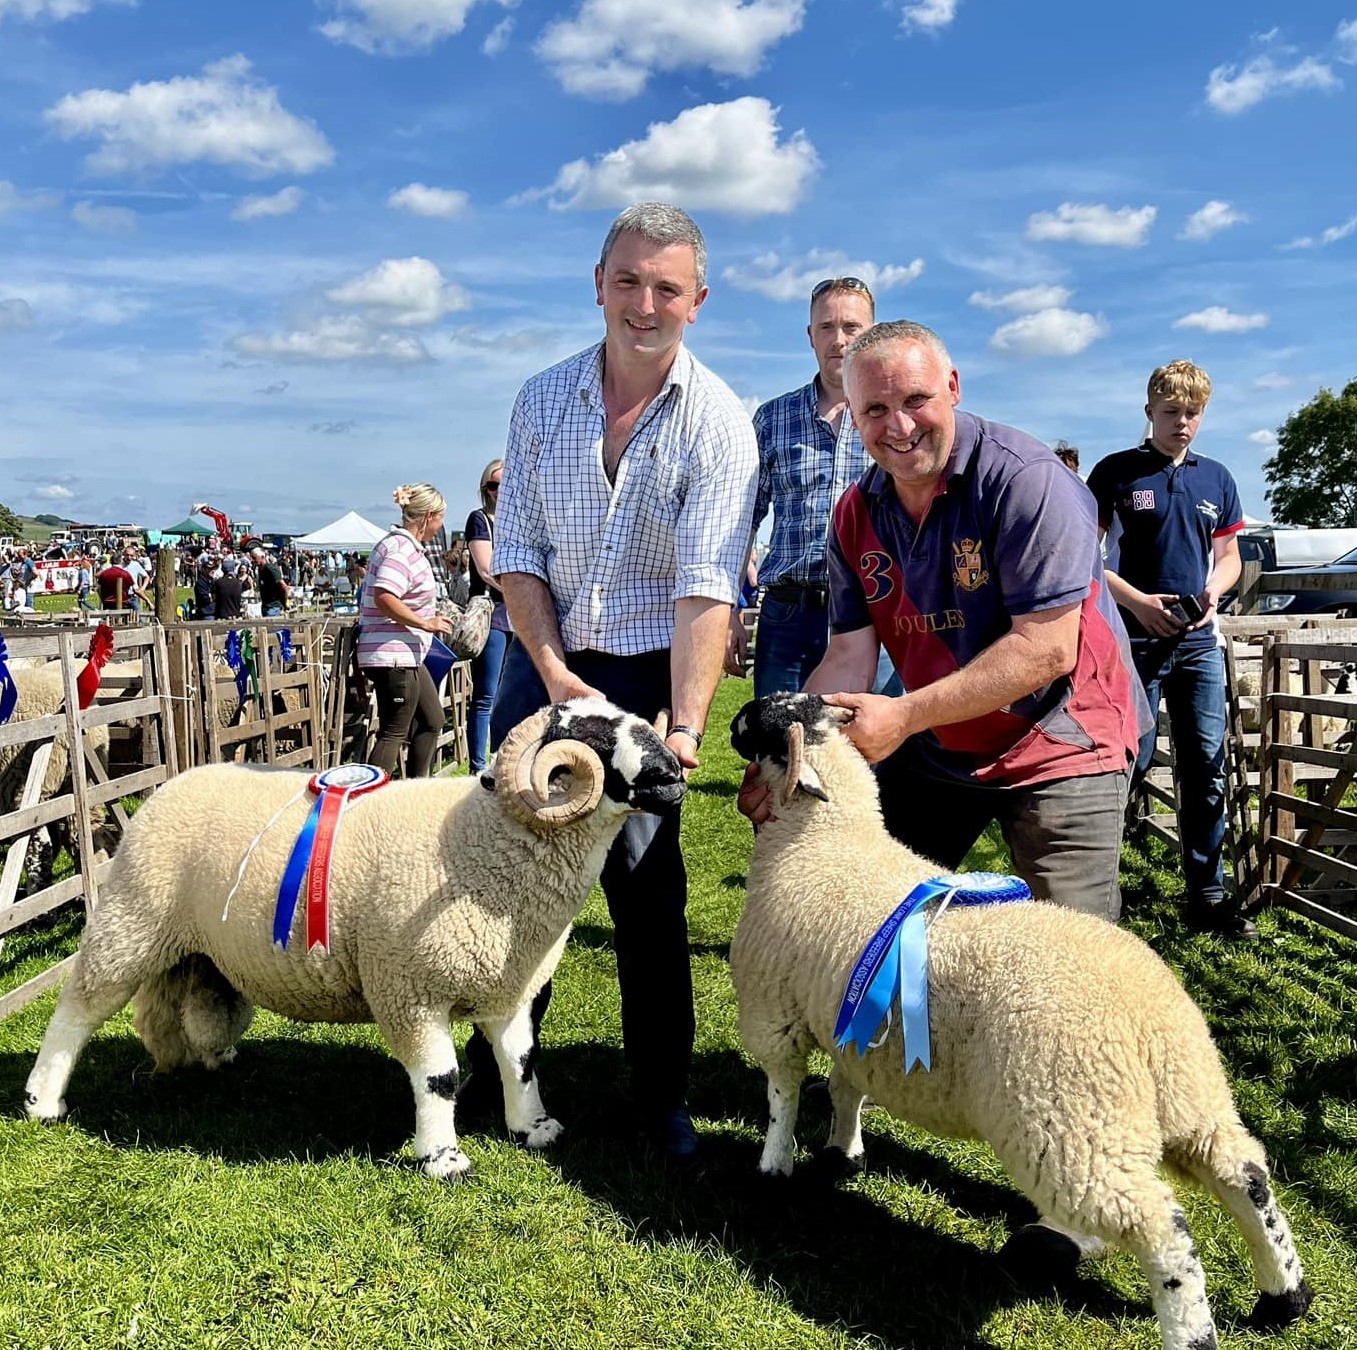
[91, 782]
[301, 709]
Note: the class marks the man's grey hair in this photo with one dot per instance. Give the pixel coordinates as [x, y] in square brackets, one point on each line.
[662, 224]
[896, 330]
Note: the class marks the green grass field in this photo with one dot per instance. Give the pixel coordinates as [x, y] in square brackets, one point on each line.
[276, 1203]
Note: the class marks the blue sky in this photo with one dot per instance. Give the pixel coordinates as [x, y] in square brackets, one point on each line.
[280, 255]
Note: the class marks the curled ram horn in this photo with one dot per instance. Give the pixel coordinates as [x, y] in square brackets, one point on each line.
[662, 724]
[523, 769]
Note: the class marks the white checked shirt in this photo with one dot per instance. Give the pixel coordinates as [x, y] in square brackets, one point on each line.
[674, 524]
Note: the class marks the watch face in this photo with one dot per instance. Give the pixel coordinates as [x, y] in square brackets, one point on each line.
[353, 777]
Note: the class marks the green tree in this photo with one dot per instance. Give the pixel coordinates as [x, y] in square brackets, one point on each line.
[1313, 475]
[9, 522]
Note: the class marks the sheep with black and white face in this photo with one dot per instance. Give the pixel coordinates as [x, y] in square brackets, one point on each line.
[1060, 1039]
[448, 899]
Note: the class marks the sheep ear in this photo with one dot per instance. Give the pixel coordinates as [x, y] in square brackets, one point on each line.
[799, 773]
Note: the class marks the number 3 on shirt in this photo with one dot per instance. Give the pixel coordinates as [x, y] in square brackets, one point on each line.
[876, 579]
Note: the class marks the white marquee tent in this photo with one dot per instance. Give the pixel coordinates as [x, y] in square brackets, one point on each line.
[350, 534]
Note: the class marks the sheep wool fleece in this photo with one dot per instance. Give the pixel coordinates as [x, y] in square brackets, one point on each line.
[448, 898]
[1061, 1040]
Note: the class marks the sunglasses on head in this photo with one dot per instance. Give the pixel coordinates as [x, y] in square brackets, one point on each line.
[841, 284]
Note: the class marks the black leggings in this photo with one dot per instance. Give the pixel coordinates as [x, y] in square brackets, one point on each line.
[408, 709]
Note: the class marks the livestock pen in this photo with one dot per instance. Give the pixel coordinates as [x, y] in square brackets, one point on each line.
[273, 1203]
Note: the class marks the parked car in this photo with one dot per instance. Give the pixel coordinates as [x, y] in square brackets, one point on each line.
[1339, 598]
[1281, 548]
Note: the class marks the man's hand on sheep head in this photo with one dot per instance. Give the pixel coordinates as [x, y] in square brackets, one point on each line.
[878, 728]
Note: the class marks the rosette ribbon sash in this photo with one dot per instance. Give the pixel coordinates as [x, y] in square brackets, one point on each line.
[893, 966]
[308, 866]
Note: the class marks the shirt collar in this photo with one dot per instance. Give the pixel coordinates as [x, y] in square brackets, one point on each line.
[965, 444]
[1164, 462]
[591, 375]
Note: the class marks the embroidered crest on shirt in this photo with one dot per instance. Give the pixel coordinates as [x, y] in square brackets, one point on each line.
[1210, 510]
[968, 567]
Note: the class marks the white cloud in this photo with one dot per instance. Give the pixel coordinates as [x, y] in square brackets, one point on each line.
[393, 27]
[497, 39]
[53, 492]
[1049, 332]
[1125, 227]
[402, 293]
[1262, 437]
[928, 16]
[222, 116]
[1346, 38]
[1211, 219]
[281, 203]
[1273, 380]
[104, 219]
[1330, 236]
[718, 156]
[12, 201]
[338, 337]
[15, 314]
[1027, 300]
[792, 279]
[611, 47]
[419, 200]
[1218, 319]
[1232, 89]
[62, 303]
[56, 10]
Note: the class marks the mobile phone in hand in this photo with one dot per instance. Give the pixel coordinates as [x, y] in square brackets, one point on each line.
[1187, 609]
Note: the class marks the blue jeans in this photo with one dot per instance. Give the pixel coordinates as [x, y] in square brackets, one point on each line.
[791, 641]
[1190, 677]
[485, 671]
[272, 608]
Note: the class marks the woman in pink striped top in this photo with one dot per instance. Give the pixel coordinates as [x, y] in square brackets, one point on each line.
[397, 622]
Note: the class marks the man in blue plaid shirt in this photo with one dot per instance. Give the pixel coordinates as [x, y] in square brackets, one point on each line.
[809, 455]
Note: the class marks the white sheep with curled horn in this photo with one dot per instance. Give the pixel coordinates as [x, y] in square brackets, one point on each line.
[1058, 1038]
[449, 899]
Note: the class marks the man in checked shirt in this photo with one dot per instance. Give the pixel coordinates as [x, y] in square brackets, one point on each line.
[623, 532]
[809, 455]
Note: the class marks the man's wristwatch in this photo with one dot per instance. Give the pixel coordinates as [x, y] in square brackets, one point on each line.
[692, 732]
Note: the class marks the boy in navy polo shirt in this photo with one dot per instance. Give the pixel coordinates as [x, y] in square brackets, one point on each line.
[1179, 517]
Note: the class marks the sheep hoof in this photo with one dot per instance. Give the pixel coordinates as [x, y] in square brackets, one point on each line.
[775, 1169]
[43, 1116]
[543, 1134]
[448, 1163]
[832, 1165]
[1037, 1255]
[1274, 1311]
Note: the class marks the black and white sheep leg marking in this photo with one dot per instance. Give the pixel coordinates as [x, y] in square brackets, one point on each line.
[79, 1014]
[1245, 1190]
[1168, 1256]
[784, 1093]
[423, 1044]
[845, 1132]
[514, 1041]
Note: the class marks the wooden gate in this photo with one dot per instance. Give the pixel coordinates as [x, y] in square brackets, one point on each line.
[135, 766]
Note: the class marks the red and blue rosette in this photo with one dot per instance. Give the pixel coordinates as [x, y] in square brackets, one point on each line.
[309, 864]
[893, 966]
